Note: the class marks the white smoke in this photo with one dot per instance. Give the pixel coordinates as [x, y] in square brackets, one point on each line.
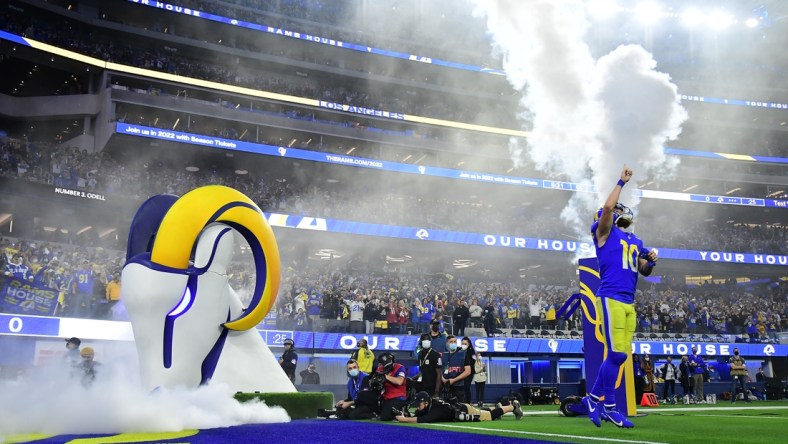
[51, 400]
[587, 118]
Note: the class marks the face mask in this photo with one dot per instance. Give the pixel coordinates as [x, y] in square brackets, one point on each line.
[435, 327]
[311, 370]
[736, 353]
[353, 373]
[464, 347]
[453, 347]
[426, 344]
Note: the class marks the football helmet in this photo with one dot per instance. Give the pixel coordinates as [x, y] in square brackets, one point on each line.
[622, 215]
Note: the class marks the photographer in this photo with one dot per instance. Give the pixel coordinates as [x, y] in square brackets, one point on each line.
[354, 406]
[434, 410]
[391, 376]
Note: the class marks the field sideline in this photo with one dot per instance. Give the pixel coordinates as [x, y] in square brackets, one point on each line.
[762, 422]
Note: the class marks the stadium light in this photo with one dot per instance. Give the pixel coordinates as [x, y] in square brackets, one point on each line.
[692, 17]
[648, 12]
[751, 22]
[720, 19]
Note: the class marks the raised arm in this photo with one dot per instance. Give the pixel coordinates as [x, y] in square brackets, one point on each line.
[606, 219]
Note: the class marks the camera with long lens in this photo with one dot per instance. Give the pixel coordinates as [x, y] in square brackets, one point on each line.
[376, 381]
[398, 412]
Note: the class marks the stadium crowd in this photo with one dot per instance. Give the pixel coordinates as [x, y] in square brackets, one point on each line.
[140, 177]
[389, 300]
[375, 300]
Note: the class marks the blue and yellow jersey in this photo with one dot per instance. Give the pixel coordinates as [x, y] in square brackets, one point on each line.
[618, 264]
[84, 280]
[426, 312]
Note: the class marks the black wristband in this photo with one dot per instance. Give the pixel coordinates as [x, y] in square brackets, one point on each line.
[621, 183]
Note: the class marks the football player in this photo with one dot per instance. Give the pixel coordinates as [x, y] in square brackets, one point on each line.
[621, 256]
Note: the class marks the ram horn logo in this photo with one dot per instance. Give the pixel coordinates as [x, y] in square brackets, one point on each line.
[422, 234]
[768, 350]
[553, 345]
[189, 326]
[422, 169]
[282, 151]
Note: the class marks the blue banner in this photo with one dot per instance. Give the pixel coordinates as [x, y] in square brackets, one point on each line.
[316, 39]
[339, 159]
[23, 297]
[349, 342]
[736, 102]
[29, 325]
[498, 240]
[53, 327]
[728, 156]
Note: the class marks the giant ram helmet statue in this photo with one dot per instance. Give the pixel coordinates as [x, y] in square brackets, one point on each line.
[189, 325]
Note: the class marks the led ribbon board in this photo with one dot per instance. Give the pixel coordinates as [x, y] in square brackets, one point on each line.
[46, 327]
[339, 159]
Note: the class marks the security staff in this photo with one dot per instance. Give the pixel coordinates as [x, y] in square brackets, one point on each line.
[430, 367]
[456, 370]
[289, 359]
[739, 374]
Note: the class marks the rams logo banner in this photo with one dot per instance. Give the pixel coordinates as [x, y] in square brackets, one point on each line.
[23, 297]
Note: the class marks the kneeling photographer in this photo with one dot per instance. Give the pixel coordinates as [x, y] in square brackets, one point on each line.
[361, 403]
[389, 379]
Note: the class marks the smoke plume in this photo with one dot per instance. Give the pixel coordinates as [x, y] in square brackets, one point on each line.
[587, 118]
[51, 399]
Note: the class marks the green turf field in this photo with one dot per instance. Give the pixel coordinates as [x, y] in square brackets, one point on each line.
[762, 422]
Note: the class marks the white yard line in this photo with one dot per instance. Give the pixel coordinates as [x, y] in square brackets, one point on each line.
[714, 409]
[744, 416]
[680, 409]
[554, 435]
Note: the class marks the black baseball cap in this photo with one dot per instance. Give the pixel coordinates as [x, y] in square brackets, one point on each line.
[420, 397]
[75, 341]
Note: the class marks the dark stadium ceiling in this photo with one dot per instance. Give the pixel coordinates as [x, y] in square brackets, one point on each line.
[23, 78]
